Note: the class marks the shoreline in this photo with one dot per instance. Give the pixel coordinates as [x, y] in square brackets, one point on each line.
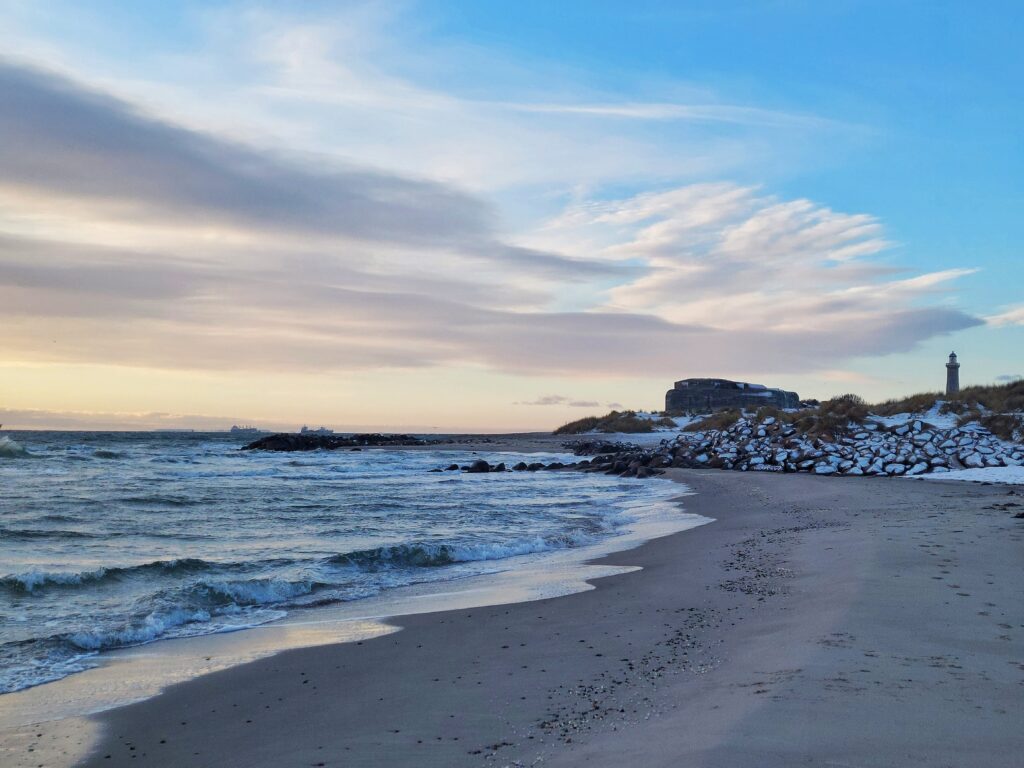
[845, 603]
[611, 508]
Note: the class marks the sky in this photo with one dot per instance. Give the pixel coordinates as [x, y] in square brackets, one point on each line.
[499, 216]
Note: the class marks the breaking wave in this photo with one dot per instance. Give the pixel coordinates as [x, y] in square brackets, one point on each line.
[437, 555]
[152, 627]
[11, 449]
[32, 581]
[260, 591]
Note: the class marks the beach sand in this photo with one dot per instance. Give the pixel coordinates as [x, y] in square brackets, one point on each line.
[817, 621]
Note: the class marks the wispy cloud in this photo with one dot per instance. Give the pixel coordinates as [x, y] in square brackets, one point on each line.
[699, 113]
[65, 142]
[560, 400]
[1012, 316]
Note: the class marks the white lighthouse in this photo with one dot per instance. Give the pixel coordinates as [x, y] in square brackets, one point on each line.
[952, 375]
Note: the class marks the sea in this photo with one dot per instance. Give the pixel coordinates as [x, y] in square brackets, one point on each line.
[117, 539]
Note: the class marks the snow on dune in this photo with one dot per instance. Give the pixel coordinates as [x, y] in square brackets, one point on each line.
[931, 416]
[1009, 475]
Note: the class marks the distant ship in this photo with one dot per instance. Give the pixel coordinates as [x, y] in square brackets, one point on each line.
[318, 431]
[245, 430]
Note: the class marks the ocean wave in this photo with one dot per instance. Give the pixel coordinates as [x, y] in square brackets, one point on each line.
[22, 534]
[152, 627]
[163, 500]
[11, 449]
[102, 454]
[438, 555]
[260, 591]
[36, 579]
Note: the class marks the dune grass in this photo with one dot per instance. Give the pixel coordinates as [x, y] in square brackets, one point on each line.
[616, 421]
[717, 420]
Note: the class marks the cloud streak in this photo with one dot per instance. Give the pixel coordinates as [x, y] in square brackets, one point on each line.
[1012, 316]
[63, 141]
[560, 400]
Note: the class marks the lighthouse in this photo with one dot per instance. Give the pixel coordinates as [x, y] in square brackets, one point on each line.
[952, 375]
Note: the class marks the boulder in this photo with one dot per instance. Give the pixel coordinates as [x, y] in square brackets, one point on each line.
[972, 460]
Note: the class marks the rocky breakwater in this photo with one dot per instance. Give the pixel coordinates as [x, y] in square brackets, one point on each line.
[290, 441]
[480, 466]
[868, 449]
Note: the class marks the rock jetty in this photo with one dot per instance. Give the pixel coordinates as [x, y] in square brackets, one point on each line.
[869, 449]
[309, 441]
[480, 466]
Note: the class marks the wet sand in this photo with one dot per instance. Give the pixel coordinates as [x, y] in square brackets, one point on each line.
[817, 621]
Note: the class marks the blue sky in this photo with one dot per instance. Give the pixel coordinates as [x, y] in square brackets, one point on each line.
[822, 196]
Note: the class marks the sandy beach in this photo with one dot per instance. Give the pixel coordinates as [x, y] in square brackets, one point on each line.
[817, 621]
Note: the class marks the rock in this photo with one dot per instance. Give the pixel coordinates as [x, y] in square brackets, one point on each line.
[451, 468]
[498, 467]
[478, 467]
[520, 467]
[973, 460]
[824, 469]
[895, 469]
[919, 468]
[593, 447]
